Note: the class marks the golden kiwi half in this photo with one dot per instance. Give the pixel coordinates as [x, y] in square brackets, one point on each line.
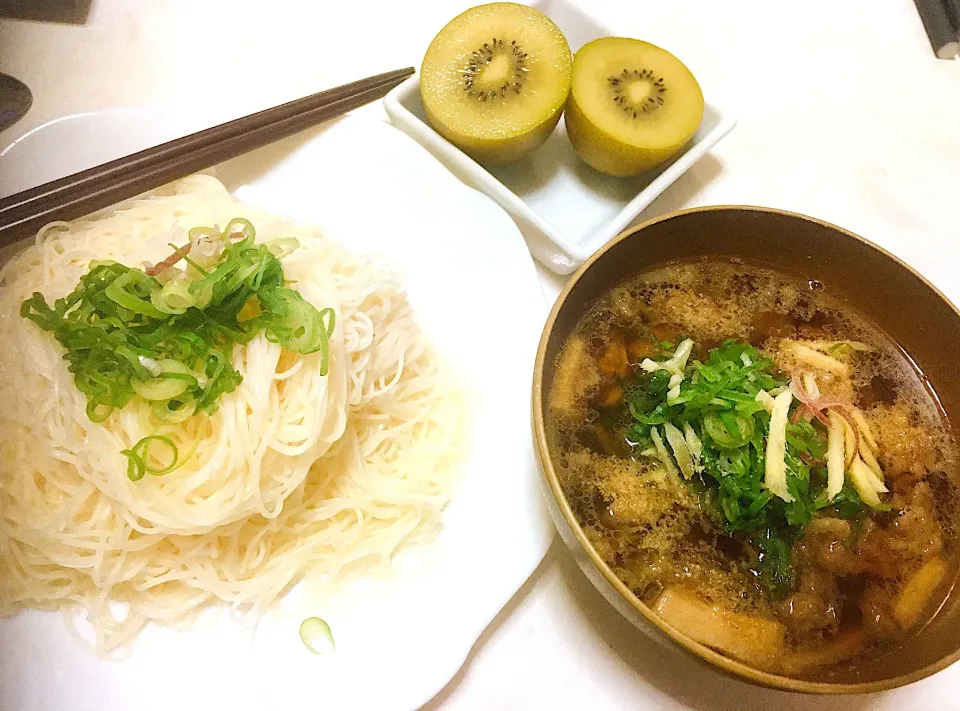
[632, 105]
[495, 80]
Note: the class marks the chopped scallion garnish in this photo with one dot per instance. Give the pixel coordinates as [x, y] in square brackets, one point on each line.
[139, 458]
[128, 334]
[316, 635]
[717, 423]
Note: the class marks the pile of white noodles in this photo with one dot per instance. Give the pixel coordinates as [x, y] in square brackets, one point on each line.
[294, 474]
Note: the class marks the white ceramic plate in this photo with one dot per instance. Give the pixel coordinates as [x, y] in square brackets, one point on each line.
[402, 637]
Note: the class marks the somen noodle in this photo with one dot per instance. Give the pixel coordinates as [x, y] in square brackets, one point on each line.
[293, 473]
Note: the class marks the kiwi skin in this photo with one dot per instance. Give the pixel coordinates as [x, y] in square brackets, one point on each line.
[606, 153]
[493, 152]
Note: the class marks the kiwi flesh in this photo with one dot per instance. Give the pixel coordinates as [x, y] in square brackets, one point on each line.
[632, 105]
[495, 80]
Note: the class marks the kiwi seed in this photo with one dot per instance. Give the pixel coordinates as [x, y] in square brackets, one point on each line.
[628, 77]
[481, 58]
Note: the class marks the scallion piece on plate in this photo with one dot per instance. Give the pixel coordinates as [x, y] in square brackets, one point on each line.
[316, 635]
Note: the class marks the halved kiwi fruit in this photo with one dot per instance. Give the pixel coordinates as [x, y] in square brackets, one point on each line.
[494, 81]
[632, 105]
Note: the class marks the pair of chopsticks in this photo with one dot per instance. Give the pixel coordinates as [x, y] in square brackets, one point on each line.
[941, 20]
[79, 194]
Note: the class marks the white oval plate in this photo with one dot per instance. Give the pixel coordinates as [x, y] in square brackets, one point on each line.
[402, 637]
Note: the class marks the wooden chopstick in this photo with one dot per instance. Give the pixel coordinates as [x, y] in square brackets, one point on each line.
[79, 194]
[941, 20]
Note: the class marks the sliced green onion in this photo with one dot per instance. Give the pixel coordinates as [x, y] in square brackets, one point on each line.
[159, 388]
[174, 368]
[316, 635]
[118, 292]
[98, 411]
[173, 380]
[218, 360]
[760, 477]
[174, 297]
[176, 410]
[728, 430]
[195, 233]
[126, 334]
[331, 319]
[243, 226]
[186, 258]
[174, 454]
[841, 349]
[132, 358]
[730, 423]
[136, 467]
[138, 458]
[280, 248]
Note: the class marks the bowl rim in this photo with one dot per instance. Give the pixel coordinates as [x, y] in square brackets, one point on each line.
[700, 651]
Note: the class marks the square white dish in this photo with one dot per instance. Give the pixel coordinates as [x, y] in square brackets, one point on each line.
[565, 209]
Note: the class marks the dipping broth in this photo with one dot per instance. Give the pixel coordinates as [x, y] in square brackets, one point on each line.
[760, 465]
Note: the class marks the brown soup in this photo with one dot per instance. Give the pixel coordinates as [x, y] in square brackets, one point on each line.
[760, 465]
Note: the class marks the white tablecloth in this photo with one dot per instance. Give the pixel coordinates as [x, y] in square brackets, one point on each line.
[844, 114]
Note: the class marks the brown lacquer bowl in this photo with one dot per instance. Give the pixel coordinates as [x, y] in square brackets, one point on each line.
[902, 302]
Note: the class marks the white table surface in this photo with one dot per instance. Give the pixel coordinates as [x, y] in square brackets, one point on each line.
[844, 114]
